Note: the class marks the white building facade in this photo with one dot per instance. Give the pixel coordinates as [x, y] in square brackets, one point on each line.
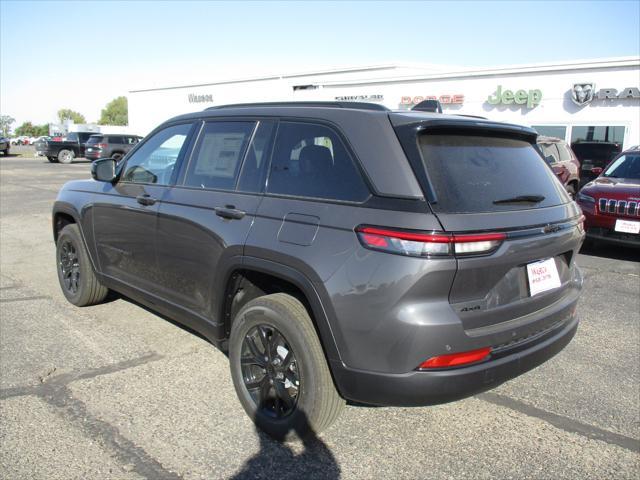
[591, 100]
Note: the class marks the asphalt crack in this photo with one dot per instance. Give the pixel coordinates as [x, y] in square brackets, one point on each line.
[54, 390]
[564, 423]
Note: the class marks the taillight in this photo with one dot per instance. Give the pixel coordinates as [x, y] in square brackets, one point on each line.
[581, 224]
[456, 359]
[418, 244]
[101, 145]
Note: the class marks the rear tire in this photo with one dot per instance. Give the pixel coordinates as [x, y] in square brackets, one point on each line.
[65, 156]
[52, 159]
[117, 156]
[280, 326]
[75, 272]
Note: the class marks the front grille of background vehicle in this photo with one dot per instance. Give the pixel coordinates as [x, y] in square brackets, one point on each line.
[620, 207]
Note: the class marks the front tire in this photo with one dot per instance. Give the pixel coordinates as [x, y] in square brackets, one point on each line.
[75, 273]
[279, 370]
[65, 156]
[52, 159]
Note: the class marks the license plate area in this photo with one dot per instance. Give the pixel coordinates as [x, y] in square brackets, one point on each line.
[627, 226]
[542, 276]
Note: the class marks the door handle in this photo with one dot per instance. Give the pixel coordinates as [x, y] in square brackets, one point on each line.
[230, 212]
[146, 199]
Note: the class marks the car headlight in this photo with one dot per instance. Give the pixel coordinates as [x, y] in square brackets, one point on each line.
[581, 197]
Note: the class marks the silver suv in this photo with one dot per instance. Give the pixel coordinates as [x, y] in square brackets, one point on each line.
[336, 251]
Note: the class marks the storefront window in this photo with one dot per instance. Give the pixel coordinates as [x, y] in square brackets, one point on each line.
[598, 133]
[558, 131]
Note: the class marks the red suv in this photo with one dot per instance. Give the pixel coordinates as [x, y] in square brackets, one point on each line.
[611, 202]
[562, 161]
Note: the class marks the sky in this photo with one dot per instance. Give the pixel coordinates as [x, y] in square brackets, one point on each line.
[81, 55]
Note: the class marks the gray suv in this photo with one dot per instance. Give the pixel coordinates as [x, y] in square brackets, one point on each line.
[336, 251]
[110, 145]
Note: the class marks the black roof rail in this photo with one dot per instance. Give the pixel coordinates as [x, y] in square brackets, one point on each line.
[355, 105]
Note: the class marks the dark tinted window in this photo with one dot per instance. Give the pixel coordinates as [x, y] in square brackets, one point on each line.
[115, 139]
[549, 152]
[216, 160]
[598, 133]
[253, 168]
[557, 131]
[625, 166]
[470, 173]
[93, 139]
[82, 137]
[154, 161]
[310, 160]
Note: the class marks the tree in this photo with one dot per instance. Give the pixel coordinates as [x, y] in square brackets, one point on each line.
[115, 113]
[41, 130]
[26, 129]
[5, 124]
[30, 130]
[68, 114]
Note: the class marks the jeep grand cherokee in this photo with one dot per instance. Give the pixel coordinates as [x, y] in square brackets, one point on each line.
[337, 251]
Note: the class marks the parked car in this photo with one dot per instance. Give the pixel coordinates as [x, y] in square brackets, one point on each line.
[22, 140]
[39, 144]
[335, 250]
[562, 161]
[611, 202]
[594, 155]
[72, 146]
[5, 145]
[110, 145]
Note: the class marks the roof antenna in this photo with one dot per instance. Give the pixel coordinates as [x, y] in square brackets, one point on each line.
[432, 106]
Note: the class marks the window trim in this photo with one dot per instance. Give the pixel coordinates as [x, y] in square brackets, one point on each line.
[347, 146]
[179, 160]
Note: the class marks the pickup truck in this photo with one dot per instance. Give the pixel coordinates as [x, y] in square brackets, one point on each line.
[65, 151]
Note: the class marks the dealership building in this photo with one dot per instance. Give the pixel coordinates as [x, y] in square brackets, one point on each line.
[588, 100]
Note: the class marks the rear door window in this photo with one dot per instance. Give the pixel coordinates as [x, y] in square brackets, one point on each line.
[93, 139]
[310, 160]
[471, 173]
[217, 157]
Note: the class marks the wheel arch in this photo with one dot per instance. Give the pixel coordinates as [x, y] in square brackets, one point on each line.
[65, 214]
[251, 277]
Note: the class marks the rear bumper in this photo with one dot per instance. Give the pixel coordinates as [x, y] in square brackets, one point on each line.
[433, 387]
[93, 155]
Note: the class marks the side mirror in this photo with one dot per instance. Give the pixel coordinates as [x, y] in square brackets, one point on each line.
[596, 170]
[104, 170]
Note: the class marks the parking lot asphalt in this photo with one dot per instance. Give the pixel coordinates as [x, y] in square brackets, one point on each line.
[116, 392]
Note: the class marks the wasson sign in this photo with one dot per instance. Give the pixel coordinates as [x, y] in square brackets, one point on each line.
[193, 98]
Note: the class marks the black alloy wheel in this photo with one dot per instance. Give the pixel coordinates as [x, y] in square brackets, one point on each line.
[270, 371]
[70, 267]
[77, 279]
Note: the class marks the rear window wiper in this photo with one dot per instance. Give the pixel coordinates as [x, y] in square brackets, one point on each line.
[522, 199]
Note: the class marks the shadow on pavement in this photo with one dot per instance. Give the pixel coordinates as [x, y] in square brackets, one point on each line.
[615, 252]
[277, 460]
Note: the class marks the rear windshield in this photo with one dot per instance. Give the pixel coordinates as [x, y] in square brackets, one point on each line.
[95, 139]
[472, 174]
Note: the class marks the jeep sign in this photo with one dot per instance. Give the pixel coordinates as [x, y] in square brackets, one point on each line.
[530, 98]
